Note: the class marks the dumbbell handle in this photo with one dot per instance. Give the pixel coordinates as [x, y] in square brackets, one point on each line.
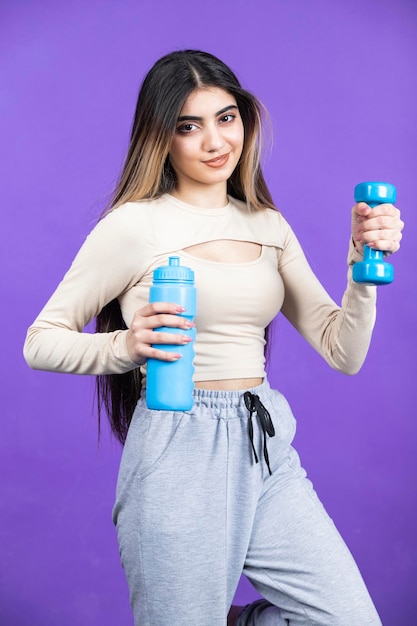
[373, 270]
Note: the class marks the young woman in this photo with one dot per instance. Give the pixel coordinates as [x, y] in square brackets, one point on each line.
[205, 494]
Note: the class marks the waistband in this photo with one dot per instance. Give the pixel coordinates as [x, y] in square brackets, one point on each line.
[249, 399]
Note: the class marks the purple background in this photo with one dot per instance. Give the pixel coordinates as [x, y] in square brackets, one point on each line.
[339, 79]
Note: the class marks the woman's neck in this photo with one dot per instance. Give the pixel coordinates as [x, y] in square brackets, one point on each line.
[204, 197]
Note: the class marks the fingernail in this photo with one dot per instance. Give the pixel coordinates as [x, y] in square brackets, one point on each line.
[186, 339]
[180, 309]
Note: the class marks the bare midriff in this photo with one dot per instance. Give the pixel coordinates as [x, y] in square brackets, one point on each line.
[231, 384]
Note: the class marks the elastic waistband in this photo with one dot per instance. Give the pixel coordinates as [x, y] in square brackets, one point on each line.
[226, 399]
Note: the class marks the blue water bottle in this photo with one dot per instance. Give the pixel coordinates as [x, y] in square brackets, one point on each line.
[373, 270]
[169, 384]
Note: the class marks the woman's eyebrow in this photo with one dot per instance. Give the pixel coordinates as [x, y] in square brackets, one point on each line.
[195, 118]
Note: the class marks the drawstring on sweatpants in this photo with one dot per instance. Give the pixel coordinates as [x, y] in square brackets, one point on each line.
[253, 404]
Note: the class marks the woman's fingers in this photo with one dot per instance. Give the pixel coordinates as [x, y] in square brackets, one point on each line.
[379, 227]
[386, 240]
[155, 308]
[141, 337]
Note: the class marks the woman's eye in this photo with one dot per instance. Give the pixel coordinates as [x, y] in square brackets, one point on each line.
[186, 128]
[227, 118]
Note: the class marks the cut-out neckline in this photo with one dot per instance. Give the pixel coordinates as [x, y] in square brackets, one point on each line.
[226, 252]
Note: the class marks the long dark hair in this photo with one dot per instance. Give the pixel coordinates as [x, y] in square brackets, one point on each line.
[147, 173]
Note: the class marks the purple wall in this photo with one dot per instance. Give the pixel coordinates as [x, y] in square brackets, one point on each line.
[339, 79]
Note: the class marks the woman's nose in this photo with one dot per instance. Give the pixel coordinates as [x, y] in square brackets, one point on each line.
[213, 139]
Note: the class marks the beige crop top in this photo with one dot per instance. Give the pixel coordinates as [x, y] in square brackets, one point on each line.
[235, 301]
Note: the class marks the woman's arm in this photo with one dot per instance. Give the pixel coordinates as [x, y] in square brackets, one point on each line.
[341, 334]
[110, 261]
[113, 258]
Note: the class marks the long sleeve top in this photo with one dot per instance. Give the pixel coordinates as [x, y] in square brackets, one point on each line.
[236, 301]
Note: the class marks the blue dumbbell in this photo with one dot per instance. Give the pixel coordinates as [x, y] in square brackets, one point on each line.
[373, 270]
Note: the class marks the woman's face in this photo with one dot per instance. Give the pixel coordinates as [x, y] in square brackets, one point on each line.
[208, 141]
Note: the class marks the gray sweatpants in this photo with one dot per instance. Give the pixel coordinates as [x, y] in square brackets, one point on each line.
[194, 510]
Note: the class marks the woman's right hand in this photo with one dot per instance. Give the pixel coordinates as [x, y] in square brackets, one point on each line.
[141, 335]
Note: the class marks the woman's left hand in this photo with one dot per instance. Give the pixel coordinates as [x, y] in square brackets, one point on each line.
[379, 228]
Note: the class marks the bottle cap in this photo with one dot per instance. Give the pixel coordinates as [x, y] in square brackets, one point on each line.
[375, 192]
[174, 272]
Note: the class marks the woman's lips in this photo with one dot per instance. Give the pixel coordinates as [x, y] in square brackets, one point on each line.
[218, 161]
